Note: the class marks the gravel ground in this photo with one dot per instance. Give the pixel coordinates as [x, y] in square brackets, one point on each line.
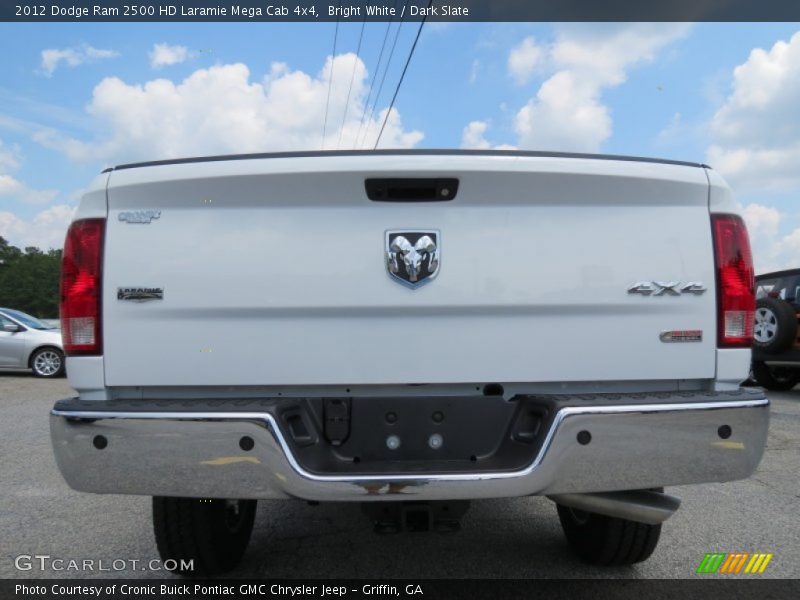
[515, 538]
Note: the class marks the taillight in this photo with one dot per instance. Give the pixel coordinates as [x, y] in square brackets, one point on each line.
[81, 271]
[736, 299]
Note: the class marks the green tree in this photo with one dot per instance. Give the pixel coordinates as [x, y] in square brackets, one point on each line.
[29, 279]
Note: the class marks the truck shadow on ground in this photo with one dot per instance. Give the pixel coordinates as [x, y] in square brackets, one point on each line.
[504, 538]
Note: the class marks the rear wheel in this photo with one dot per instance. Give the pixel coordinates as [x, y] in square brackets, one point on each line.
[776, 379]
[775, 328]
[47, 362]
[213, 534]
[601, 540]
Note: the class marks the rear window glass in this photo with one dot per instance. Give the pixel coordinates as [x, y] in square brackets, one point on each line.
[785, 288]
[763, 289]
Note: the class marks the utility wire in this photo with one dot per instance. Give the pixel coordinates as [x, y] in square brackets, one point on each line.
[375, 74]
[352, 78]
[330, 78]
[383, 77]
[402, 76]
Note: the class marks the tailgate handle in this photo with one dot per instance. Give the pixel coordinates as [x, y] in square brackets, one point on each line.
[411, 189]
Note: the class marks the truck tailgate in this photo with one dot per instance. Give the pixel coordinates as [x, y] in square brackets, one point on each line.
[274, 273]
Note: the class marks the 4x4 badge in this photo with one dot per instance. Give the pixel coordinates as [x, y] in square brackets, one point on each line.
[412, 255]
[666, 288]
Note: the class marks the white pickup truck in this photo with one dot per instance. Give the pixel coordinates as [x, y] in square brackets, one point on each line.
[409, 330]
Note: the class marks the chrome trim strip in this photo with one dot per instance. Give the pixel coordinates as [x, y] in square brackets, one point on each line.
[562, 414]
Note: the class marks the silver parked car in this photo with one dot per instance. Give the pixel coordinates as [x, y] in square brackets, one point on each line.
[28, 343]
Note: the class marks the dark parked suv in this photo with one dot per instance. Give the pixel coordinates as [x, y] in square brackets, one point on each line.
[776, 347]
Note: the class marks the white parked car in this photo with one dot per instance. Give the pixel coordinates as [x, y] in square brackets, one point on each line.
[28, 343]
[409, 330]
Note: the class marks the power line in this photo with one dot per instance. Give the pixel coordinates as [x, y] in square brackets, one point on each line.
[383, 78]
[352, 78]
[402, 76]
[330, 78]
[375, 74]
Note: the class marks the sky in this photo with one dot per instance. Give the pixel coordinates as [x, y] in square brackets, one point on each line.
[78, 97]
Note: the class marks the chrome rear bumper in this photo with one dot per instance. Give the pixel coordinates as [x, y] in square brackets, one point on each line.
[637, 442]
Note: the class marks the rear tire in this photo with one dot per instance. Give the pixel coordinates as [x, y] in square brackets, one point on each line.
[776, 379]
[212, 533]
[608, 541]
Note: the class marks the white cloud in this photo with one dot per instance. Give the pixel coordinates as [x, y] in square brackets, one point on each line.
[762, 221]
[48, 227]
[673, 129]
[472, 137]
[10, 157]
[8, 185]
[603, 53]
[12, 188]
[163, 55]
[584, 60]
[756, 132]
[45, 230]
[473, 71]
[222, 109]
[567, 112]
[788, 250]
[771, 251]
[524, 59]
[72, 57]
[16, 190]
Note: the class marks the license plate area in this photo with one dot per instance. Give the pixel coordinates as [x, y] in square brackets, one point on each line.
[417, 434]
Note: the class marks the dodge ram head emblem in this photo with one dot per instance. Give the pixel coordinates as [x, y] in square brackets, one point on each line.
[412, 256]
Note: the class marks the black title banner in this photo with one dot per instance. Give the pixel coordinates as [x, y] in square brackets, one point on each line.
[408, 10]
[313, 589]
